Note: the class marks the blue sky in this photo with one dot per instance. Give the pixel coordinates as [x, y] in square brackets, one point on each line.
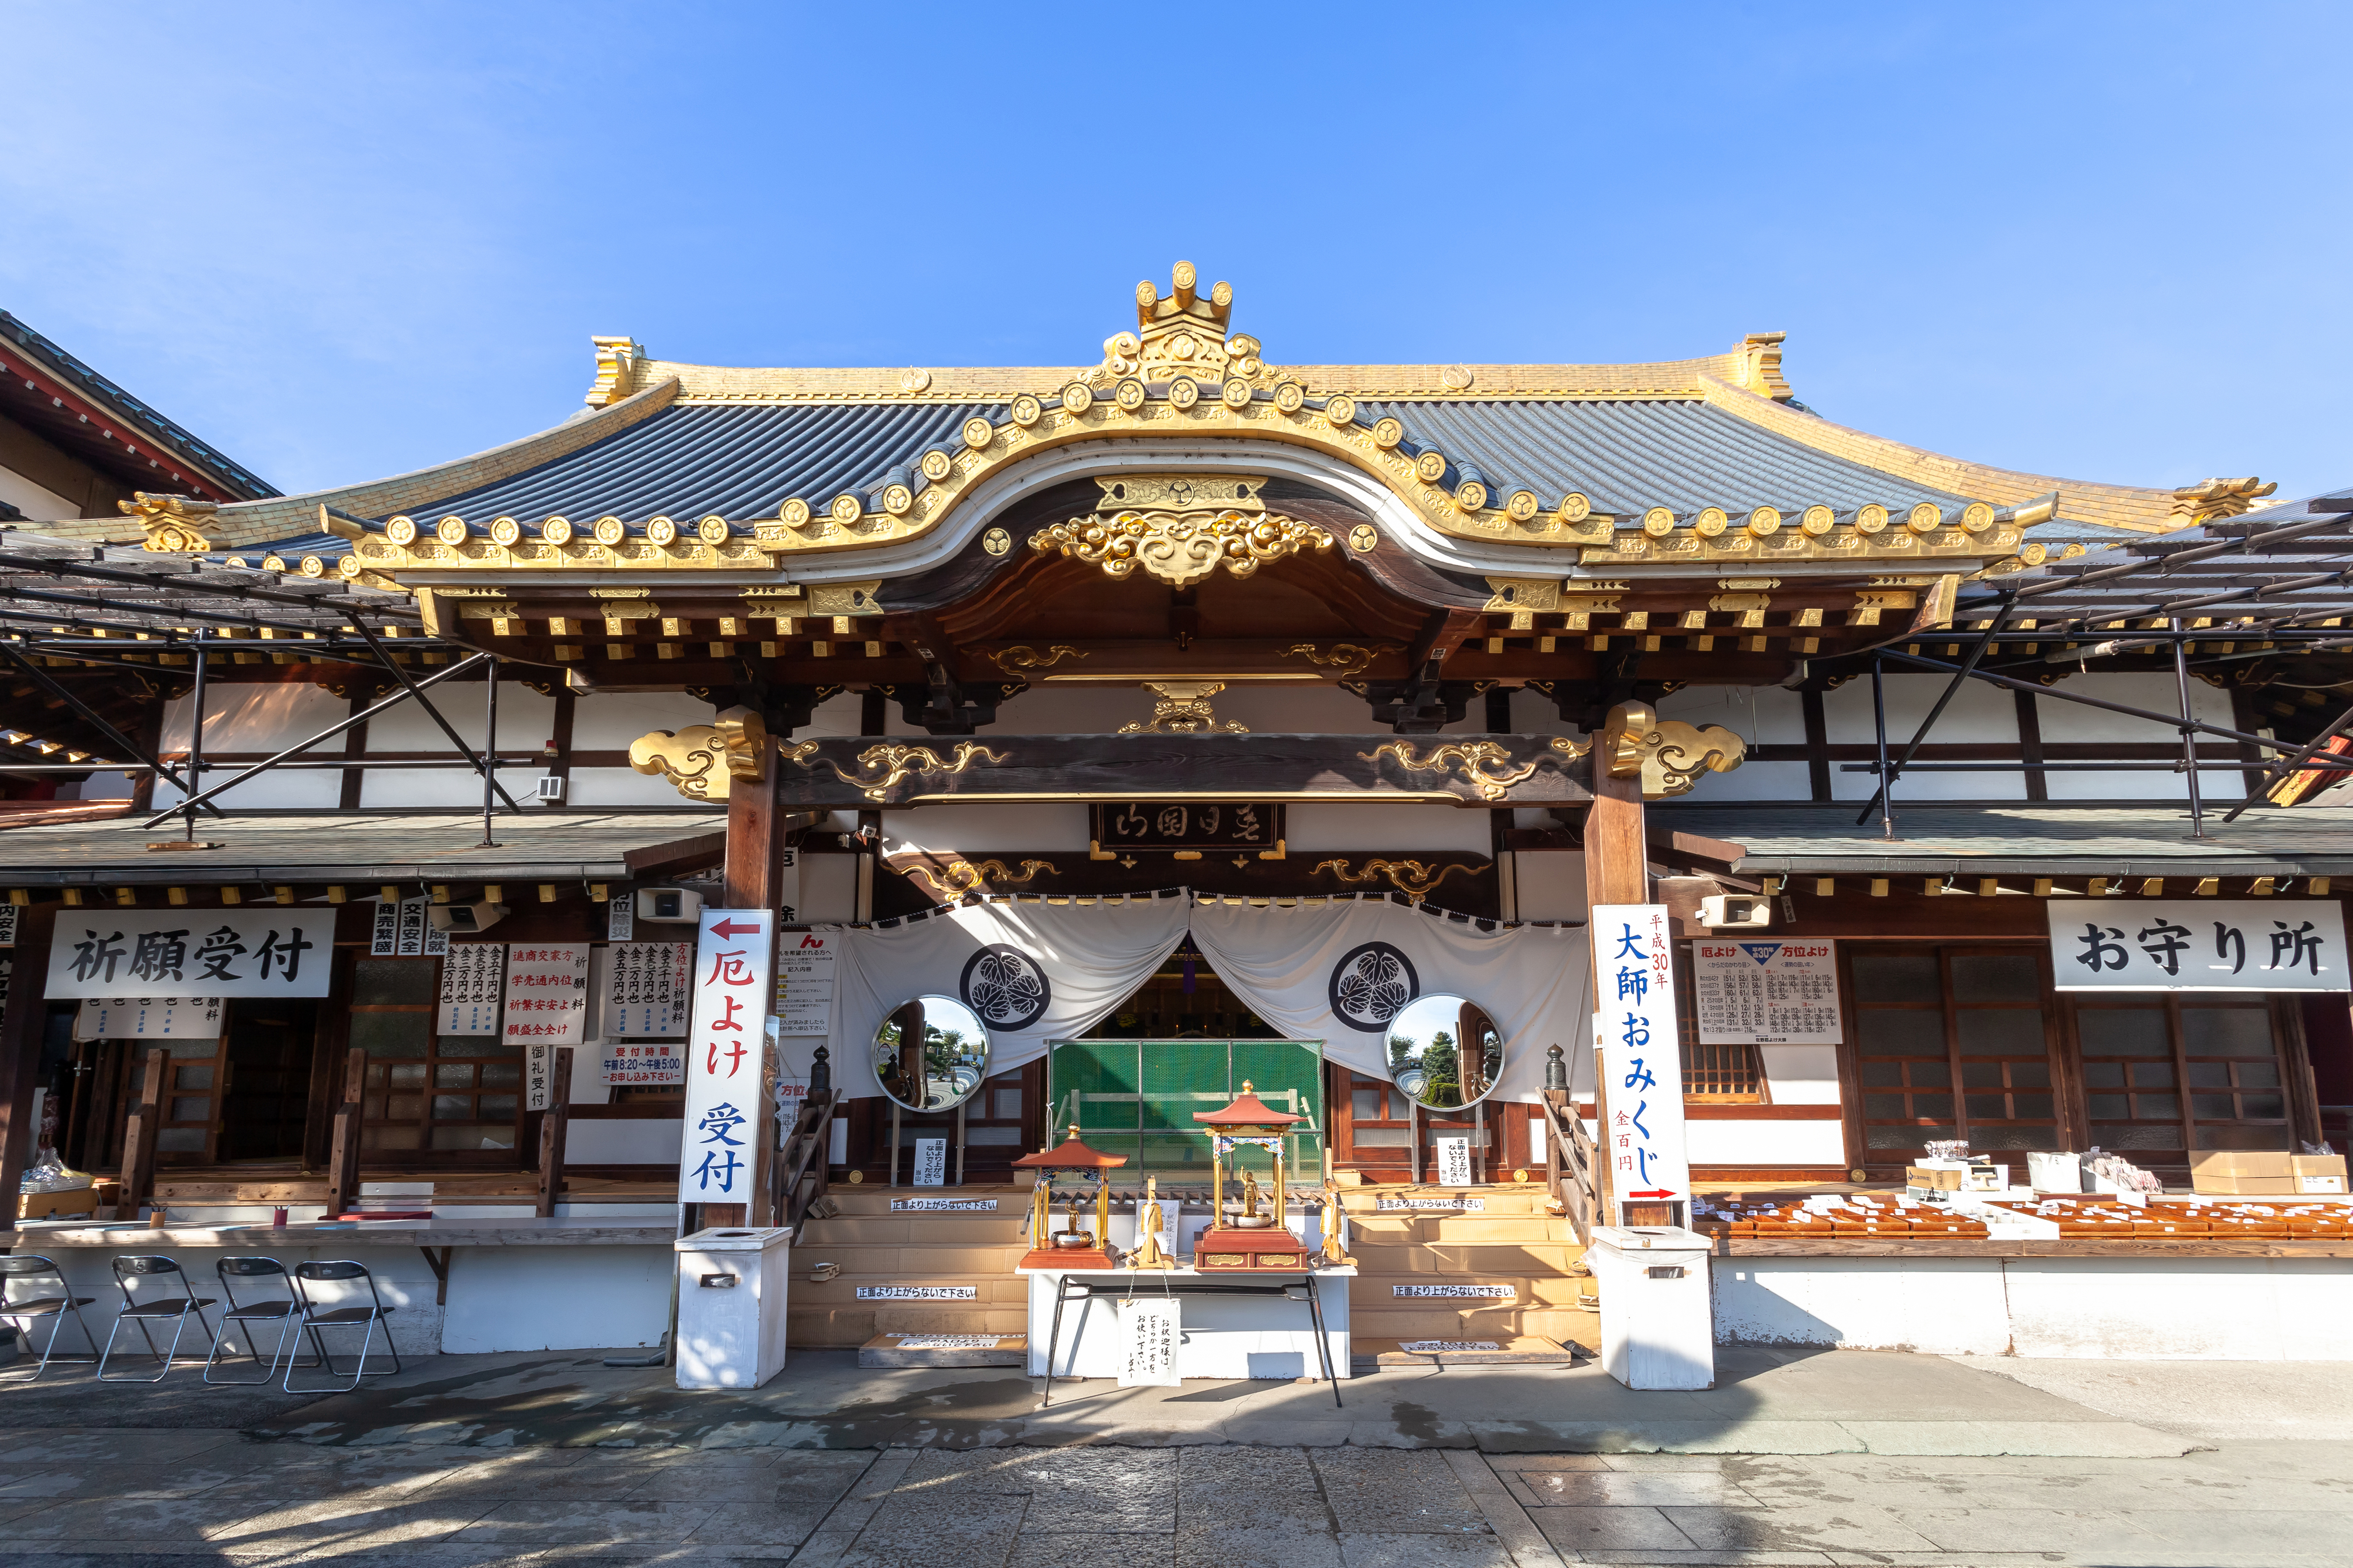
[342, 241]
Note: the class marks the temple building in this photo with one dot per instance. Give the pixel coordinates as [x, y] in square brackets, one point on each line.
[1116, 741]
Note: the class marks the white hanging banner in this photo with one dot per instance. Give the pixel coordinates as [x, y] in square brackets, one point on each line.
[1765, 993]
[149, 1018]
[268, 952]
[931, 1162]
[1150, 1329]
[645, 991]
[1634, 1028]
[731, 979]
[2198, 944]
[470, 989]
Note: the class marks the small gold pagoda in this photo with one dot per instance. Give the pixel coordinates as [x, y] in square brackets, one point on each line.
[1238, 1235]
[1070, 1247]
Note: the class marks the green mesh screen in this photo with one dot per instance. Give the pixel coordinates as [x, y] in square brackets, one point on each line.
[1138, 1098]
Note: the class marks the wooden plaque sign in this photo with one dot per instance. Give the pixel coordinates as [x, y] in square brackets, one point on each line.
[1187, 824]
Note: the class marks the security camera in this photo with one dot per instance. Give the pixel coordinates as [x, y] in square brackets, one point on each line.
[465, 918]
[1732, 911]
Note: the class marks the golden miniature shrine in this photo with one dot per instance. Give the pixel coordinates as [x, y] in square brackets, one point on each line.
[1240, 1235]
[1069, 1247]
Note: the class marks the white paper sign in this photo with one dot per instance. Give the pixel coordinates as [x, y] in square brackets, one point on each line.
[731, 981]
[1454, 1160]
[1148, 1336]
[1440, 1347]
[470, 989]
[547, 993]
[643, 1064]
[7, 925]
[150, 1018]
[268, 952]
[2198, 944]
[645, 990]
[934, 1206]
[540, 1088]
[931, 1162]
[1641, 1053]
[1765, 993]
[1450, 1292]
[401, 930]
[621, 918]
[805, 960]
[1469, 1206]
[918, 1292]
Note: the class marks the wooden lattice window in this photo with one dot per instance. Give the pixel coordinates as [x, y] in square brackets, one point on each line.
[1723, 1074]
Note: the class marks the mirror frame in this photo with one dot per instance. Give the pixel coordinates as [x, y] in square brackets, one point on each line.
[1503, 1053]
[987, 1049]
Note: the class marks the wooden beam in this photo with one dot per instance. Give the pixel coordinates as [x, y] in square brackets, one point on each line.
[21, 1031]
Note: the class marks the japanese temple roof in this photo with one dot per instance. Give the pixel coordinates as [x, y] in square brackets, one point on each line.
[2020, 840]
[1248, 1110]
[297, 848]
[1071, 1154]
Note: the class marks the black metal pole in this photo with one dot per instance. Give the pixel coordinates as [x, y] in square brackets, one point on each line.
[490, 747]
[2189, 736]
[195, 743]
[2276, 770]
[1879, 719]
[96, 720]
[417, 689]
[1960, 678]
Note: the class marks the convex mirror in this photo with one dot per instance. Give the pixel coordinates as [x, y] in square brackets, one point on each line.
[930, 1053]
[1444, 1052]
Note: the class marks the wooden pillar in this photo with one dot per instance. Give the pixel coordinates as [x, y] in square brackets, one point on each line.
[343, 1156]
[751, 883]
[1616, 857]
[554, 1123]
[139, 1136]
[20, 1045]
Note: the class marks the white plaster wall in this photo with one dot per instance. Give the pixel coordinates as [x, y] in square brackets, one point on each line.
[1713, 1143]
[829, 889]
[1978, 714]
[1550, 884]
[555, 1297]
[37, 503]
[2071, 721]
[602, 1142]
[618, 786]
[526, 721]
[971, 830]
[1760, 715]
[1801, 1075]
[261, 718]
[609, 721]
[1396, 828]
[1943, 1305]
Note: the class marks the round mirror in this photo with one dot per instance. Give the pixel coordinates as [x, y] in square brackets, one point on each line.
[930, 1054]
[1444, 1052]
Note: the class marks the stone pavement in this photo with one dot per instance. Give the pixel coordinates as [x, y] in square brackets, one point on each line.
[559, 1460]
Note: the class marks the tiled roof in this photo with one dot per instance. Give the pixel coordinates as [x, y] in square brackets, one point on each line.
[2046, 840]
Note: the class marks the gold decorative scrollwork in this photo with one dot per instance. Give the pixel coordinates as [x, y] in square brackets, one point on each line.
[1183, 710]
[1481, 762]
[1346, 658]
[1013, 660]
[894, 762]
[173, 523]
[961, 877]
[1181, 548]
[1411, 877]
[1666, 754]
[702, 760]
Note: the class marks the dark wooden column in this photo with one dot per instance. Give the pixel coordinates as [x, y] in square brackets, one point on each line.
[1617, 855]
[753, 883]
[20, 1045]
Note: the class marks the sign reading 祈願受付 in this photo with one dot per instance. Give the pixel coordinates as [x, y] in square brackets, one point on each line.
[1765, 993]
[645, 995]
[1634, 1030]
[268, 952]
[2198, 944]
[725, 1040]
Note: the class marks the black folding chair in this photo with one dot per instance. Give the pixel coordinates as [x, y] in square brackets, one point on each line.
[25, 1272]
[316, 1317]
[287, 1314]
[128, 1272]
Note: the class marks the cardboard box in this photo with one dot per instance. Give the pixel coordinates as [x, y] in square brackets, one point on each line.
[1935, 1186]
[2317, 1173]
[74, 1203]
[2244, 1173]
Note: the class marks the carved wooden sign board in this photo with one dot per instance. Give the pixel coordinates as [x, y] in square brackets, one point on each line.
[1153, 825]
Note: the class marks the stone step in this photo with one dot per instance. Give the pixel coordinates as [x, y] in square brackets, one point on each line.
[915, 1229]
[1398, 1230]
[1469, 1350]
[920, 1349]
[1511, 1198]
[935, 1260]
[988, 1290]
[1379, 1289]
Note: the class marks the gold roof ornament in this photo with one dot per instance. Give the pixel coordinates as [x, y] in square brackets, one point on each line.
[1183, 710]
[174, 524]
[703, 760]
[1666, 754]
[2213, 501]
[1180, 528]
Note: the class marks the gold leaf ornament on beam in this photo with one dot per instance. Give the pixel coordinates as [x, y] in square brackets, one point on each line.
[1183, 709]
[1180, 528]
[961, 877]
[894, 762]
[1345, 659]
[1481, 762]
[1411, 877]
[1022, 657]
[1666, 754]
[702, 760]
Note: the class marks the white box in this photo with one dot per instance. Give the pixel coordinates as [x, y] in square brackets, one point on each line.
[1658, 1323]
[731, 1306]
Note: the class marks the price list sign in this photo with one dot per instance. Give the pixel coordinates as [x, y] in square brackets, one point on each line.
[645, 995]
[1766, 992]
[470, 989]
[804, 982]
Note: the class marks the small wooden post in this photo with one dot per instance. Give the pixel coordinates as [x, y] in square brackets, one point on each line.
[768, 1142]
[20, 1047]
[344, 1158]
[139, 1136]
[553, 1123]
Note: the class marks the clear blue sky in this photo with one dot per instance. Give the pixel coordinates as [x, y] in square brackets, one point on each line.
[340, 241]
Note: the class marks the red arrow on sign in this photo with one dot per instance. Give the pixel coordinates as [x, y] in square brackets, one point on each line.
[1661, 1192]
[729, 928]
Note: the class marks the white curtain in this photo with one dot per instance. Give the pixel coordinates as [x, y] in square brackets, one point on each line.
[1338, 972]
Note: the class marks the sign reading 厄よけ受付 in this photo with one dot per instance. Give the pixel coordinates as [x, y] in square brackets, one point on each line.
[1634, 1028]
[268, 952]
[2198, 944]
[725, 1040]
[1765, 993]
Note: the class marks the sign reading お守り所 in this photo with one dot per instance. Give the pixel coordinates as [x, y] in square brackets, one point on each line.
[2198, 944]
[268, 952]
[725, 1040]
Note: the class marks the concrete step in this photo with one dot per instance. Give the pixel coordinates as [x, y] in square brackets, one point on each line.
[1470, 1349]
[913, 1230]
[918, 1349]
[1379, 1288]
[931, 1261]
[1006, 1290]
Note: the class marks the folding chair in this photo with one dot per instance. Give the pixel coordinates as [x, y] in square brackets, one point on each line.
[128, 1272]
[23, 1313]
[287, 1314]
[316, 1317]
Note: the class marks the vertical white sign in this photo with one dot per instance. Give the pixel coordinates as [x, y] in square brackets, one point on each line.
[470, 989]
[931, 1162]
[1635, 1030]
[7, 925]
[149, 1018]
[1455, 1160]
[731, 979]
[1149, 1332]
[547, 993]
[621, 918]
[804, 982]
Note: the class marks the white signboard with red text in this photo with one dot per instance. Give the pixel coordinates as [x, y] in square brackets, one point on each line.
[1765, 993]
[1642, 1057]
[547, 993]
[734, 970]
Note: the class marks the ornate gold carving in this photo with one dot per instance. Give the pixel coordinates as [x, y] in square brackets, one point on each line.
[1022, 657]
[1411, 877]
[1346, 658]
[2211, 501]
[173, 523]
[1183, 710]
[1180, 528]
[996, 541]
[1760, 366]
[845, 598]
[703, 760]
[894, 762]
[1666, 754]
[616, 361]
[961, 877]
[1481, 762]
[1523, 594]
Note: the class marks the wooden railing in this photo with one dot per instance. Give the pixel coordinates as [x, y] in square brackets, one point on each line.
[800, 1166]
[1570, 1163]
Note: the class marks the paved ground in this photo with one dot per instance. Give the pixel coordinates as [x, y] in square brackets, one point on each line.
[1798, 1460]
